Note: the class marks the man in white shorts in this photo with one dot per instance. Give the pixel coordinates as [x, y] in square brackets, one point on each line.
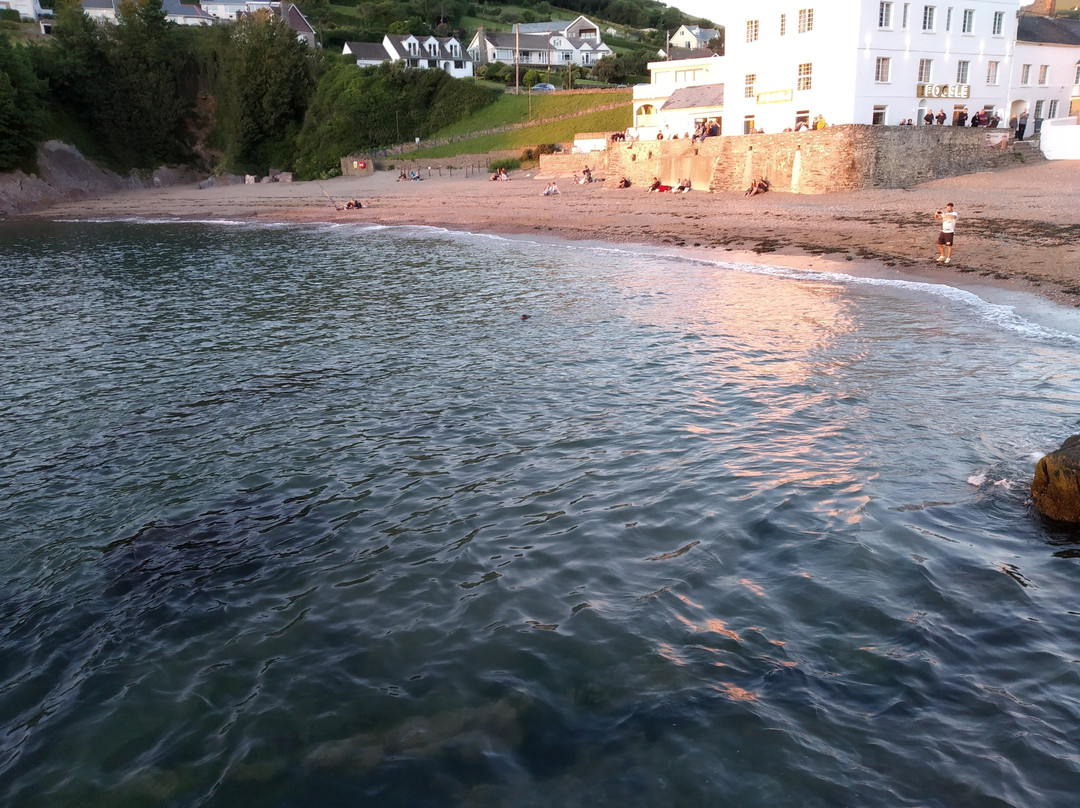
[947, 218]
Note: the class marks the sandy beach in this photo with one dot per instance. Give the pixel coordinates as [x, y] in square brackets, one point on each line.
[1018, 227]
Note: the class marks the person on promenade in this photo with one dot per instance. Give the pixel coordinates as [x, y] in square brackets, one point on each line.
[962, 117]
[928, 118]
[940, 118]
[1021, 125]
[945, 237]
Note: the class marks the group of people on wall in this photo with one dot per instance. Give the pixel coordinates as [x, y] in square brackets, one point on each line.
[1018, 123]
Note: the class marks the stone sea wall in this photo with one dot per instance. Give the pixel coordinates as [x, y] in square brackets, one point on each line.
[837, 158]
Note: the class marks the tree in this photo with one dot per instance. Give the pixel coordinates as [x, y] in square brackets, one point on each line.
[266, 78]
[610, 69]
[22, 107]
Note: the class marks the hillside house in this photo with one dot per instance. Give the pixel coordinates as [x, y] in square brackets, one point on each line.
[690, 37]
[542, 45]
[28, 9]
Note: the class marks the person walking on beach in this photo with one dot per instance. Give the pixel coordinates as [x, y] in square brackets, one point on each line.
[945, 237]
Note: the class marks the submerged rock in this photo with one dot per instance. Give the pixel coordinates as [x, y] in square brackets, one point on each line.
[1056, 486]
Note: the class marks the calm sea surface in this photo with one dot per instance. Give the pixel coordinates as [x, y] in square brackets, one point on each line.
[310, 516]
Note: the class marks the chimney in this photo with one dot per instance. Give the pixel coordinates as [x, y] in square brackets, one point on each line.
[481, 38]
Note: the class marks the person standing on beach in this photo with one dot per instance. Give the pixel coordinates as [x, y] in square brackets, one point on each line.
[945, 237]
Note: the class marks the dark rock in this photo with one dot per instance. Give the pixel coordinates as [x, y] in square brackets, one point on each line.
[1056, 486]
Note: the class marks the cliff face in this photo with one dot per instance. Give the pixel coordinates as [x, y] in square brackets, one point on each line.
[66, 175]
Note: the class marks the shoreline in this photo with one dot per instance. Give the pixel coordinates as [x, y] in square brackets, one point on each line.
[1019, 228]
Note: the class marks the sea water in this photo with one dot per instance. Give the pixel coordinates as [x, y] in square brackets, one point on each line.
[338, 516]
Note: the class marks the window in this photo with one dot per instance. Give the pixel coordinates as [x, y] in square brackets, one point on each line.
[968, 25]
[1025, 74]
[802, 118]
[925, 66]
[748, 125]
[879, 115]
[999, 22]
[806, 76]
[884, 15]
[751, 78]
[948, 19]
[907, 14]
[1076, 75]
[991, 73]
[1042, 73]
[928, 18]
[881, 70]
[1053, 109]
[1038, 110]
[962, 71]
[783, 24]
[806, 20]
[751, 30]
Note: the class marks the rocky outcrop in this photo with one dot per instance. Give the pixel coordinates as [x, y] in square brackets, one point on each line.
[1056, 487]
[64, 175]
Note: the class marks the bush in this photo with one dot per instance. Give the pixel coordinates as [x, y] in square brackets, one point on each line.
[11, 14]
[509, 163]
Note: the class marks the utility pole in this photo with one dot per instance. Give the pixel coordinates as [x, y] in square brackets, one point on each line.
[517, 57]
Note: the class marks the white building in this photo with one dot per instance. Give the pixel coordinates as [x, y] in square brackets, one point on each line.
[1046, 69]
[543, 45]
[682, 94]
[28, 9]
[426, 52]
[175, 11]
[692, 36]
[866, 61]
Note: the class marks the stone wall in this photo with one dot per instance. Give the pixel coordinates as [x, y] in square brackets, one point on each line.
[837, 158]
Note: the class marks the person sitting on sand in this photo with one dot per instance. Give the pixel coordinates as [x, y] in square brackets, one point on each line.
[624, 183]
[402, 176]
[683, 186]
[551, 189]
[353, 204]
[759, 186]
[654, 185]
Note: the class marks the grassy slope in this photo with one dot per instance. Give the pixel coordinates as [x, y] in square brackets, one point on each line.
[609, 120]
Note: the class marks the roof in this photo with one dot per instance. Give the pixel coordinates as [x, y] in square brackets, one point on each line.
[677, 54]
[551, 27]
[703, 33]
[1047, 30]
[297, 21]
[396, 42]
[527, 41]
[367, 51]
[174, 8]
[703, 95]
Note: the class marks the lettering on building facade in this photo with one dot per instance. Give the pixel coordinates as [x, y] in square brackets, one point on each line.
[943, 90]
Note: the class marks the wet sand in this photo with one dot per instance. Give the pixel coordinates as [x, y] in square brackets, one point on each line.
[1018, 227]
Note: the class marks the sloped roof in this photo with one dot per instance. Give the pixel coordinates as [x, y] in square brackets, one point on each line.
[397, 43]
[678, 54]
[297, 21]
[704, 95]
[174, 8]
[502, 39]
[550, 27]
[703, 33]
[1047, 30]
[367, 51]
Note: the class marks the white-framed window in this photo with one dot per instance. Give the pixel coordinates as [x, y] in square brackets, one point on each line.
[992, 73]
[962, 71]
[999, 23]
[783, 24]
[948, 19]
[925, 70]
[884, 14]
[802, 116]
[806, 20]
[1043, 70]
[751, 80]
[881, 70]
[751, 30]
[1038, 109]
[1076, 75]
[1025, 74]
[880, 112]
[1052, 112]
[967, 26]
[806, 76]
[929, 18]
[906, 18]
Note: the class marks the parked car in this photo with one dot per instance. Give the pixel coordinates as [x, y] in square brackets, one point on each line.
[543, 88]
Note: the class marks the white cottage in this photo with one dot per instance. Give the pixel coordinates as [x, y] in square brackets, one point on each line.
[28, 9]
[428, 52]
[543, 44]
